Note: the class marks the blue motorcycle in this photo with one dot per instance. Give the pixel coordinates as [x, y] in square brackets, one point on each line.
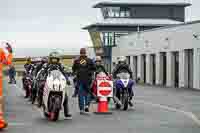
[124, 90]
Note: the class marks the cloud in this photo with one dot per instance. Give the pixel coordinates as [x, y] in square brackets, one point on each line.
[56, 23]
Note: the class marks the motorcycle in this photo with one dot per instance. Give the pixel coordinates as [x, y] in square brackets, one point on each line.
[27, 85]
[27, 81]
[41, 80]
[123, 86]
[34, 87]
[54, 95]
[36, 82]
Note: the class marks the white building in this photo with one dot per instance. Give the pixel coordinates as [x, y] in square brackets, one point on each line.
[123, 17]
[164, 56]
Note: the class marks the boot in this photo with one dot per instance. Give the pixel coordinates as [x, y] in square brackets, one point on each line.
[3, 124]
[130, 102]
[87, 109]
[66, 108]
[39, 98]
[27, 94]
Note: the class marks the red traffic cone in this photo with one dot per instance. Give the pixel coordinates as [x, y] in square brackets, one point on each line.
[102, 107]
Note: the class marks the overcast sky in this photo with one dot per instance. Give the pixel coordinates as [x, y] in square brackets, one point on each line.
[58, 23]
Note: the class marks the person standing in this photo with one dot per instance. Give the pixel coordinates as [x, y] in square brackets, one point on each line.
[12, 74]
[84, 69]
[5, 59]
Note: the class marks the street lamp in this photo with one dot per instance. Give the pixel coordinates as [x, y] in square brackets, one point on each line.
[167, 44]
[196, 36]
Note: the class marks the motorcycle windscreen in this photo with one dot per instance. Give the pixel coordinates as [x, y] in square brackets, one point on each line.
[57, 80]
[101, 74]
[123, 75]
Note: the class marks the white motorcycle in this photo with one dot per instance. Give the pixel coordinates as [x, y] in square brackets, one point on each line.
[54, 95]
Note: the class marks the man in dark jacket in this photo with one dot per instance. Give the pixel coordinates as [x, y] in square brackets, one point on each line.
[84, 69]
[54, 64]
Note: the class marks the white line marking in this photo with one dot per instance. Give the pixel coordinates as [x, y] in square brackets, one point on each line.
[17, 124]
[188, 114]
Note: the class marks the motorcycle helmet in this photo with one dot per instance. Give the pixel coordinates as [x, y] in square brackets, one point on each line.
[98, 60]
[37, 61]
[28, 60]
[121, 59]
[44, 60]
[54, 57]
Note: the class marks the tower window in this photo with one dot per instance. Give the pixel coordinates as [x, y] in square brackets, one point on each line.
[171, 12]
[116, 12]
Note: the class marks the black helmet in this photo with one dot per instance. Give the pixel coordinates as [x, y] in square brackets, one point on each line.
[44, 59]
[28, 60]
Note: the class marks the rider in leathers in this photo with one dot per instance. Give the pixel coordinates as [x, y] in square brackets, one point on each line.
[27, 66]
[38, 66]
[28, 69]
[122, 66]
[54, 64]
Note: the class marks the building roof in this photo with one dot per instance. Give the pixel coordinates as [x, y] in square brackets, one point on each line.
[128, 3]
[133, 22]
[169, 26]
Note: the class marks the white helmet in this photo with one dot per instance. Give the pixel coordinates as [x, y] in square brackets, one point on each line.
[122, 59]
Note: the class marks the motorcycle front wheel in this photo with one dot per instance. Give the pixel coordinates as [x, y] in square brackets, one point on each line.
[124, 99]
[55, 116]
[51, 116]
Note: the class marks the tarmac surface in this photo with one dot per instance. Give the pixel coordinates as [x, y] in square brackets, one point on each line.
[156, 110]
